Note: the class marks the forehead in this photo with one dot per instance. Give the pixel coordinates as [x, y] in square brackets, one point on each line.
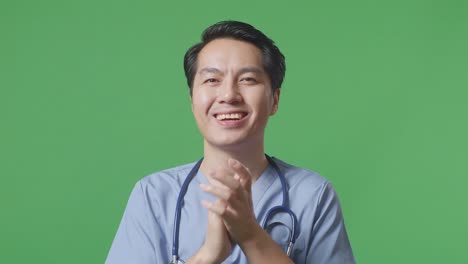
[229, 54]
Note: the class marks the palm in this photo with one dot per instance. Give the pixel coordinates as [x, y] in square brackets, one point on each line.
[217, 237]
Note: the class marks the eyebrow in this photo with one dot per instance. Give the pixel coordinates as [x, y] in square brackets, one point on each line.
[209, 70]
[251, 69]
[241, 71]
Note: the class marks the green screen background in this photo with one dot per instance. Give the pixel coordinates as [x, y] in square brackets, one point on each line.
[93, 98]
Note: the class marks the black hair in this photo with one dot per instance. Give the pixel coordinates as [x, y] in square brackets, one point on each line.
[272, 58]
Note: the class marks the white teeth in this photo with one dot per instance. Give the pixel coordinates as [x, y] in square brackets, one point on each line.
[229, 116]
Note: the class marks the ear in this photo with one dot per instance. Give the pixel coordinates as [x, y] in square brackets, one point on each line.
[276, 97]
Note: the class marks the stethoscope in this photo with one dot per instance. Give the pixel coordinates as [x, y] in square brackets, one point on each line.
[284, 207]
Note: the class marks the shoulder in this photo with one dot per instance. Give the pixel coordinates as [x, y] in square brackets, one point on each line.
[306, 184]
[301, 177]
[165, 181]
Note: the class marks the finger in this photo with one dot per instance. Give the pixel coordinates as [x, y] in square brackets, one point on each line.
[242, 172]
[221, 192]
[226, 178]
[218, 184]
[235, 187]
[231, 199]
[218, 207]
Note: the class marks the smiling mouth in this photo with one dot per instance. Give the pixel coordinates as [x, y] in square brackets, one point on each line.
[230, 116]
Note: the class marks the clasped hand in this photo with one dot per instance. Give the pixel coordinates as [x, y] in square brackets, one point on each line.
[231, 218]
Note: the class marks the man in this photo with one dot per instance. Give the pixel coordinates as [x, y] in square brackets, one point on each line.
[234, 76]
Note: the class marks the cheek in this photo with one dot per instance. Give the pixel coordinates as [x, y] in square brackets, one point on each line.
[201, 103]
[263, 102]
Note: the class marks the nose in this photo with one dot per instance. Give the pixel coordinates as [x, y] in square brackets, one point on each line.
[229, 93]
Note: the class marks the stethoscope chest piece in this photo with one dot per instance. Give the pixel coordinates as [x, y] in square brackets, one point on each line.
[175, 260]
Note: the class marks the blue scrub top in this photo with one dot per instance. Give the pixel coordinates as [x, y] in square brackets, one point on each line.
[145, 232]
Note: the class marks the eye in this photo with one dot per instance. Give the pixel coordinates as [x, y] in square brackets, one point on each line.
[210, 80]
[249, 80]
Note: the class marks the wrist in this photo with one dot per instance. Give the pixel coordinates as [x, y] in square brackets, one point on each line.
[255, 238]
[263, 247]
[202, 256]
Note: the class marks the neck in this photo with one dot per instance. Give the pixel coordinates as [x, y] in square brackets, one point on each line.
[252, 157]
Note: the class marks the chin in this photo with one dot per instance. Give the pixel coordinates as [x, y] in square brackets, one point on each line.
[231, 142]
[227, 144]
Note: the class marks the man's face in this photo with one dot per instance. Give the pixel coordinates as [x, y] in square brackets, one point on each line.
[231, 95]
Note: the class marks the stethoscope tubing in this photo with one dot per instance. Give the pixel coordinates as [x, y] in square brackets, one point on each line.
[180, 200]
